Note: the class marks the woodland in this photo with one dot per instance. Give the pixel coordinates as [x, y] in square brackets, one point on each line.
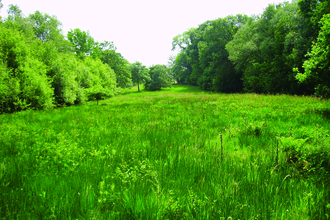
[42, 69]
[283, 50]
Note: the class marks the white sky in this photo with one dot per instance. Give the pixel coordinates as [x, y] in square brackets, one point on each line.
[142, 30]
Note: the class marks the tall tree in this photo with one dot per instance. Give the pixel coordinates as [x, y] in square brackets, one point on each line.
[46, 27]
[218, 72]
[267, 49]
[181, 73]
[82, 42]
[140, 74]
[117, 62]
[317, 67]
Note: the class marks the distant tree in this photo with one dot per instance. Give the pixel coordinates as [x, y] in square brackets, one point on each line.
[117, 62]
[140, 74]
[218, 72]
[180, 71]
[46, 27]
[159, 78]
[16, 20]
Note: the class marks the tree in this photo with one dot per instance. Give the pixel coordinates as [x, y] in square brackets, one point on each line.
[17, 21]
[98, 93]
[189, 61]
[317, 67]
[266, 49]
[117, 62]
[159, 78]
[46, 27]
[180, 71]
[218, 72]
[83, 43]
[140, 74]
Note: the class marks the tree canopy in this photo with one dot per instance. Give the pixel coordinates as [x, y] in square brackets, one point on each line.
[261, 54]
[140, 74]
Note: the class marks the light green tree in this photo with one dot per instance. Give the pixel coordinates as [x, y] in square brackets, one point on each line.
[83, 43]
[140, 74]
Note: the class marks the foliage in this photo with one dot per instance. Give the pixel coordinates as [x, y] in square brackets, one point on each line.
[41, 69]
[259, 54]
[102, 74]
[83, 43]
[98, 93]
[46, 27]
[118, 63]
[140, 74]
[265, 50]
[317, 66]
[77, 81]
[24, 83]
[71, 77]
[159, 78]
[203, 59]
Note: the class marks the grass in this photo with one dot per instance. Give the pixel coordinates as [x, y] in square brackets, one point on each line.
[157, 155]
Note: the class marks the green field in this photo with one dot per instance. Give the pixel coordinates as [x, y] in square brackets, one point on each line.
[179, 153]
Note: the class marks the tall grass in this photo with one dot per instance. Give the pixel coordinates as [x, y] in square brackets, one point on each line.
[157, 155]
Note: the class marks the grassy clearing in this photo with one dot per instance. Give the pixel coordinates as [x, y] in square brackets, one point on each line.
[157, 155]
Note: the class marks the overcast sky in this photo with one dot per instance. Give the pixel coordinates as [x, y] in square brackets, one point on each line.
[142, 30]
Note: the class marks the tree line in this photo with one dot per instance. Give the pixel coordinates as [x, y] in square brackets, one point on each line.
[40, 68]
[283, 50]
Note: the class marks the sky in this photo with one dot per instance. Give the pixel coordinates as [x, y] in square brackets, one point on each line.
[142, 30]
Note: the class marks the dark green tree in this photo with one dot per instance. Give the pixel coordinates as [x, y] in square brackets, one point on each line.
[218, 72]
[159, 78]
[317, 67]
[267, 49]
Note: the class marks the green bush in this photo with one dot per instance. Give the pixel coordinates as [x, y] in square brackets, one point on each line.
[70, 79]
[24, 83]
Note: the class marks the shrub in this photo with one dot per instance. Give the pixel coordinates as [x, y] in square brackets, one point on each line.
[24, 83]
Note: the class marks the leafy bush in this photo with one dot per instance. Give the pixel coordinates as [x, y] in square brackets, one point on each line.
[68, 77]
[101, 74]
[24, 83]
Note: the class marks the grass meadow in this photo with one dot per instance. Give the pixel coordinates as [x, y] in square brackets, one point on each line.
[179, 153]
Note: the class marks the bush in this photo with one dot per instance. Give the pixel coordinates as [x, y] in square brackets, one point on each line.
[24, 83]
